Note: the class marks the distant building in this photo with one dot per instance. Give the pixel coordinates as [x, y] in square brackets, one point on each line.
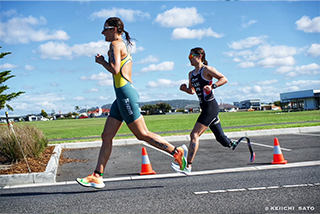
[32, 117]
[270, 107]
[300, 100]
[225, 107]
[191, 108]
[98, 112]
[249, 104]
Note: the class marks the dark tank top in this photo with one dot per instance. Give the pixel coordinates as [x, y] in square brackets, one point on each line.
[198, 82]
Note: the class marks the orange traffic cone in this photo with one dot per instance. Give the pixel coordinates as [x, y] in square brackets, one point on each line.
[146, 168]
[277, 154]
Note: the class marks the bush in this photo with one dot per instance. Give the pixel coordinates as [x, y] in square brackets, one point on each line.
[32, 141]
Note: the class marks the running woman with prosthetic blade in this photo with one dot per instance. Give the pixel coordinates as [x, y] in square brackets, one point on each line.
[200, 82]
[125, 107]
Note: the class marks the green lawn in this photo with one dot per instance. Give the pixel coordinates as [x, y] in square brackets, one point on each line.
[77, 128]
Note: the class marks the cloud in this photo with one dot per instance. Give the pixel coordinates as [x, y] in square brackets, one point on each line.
[284, 69]
[92, 90]
[27, 87]
[8, 66]
[185, 33]
[308, 25]
[54, 84]
[29, 68]
[264, 55]
[104, 79]
[149, 59]
[250, 91]
[256, 89]
[55, 50]
[127, 15]
[276, 62]
[8, 13]
[134, 48]
[243, 53]
[23, 30]
[268, 82]
[245, 23]
[37, 101]
[246, 65]
[311, 70]
[310, 67]
[79, 98]
[164, 66]
[104, 98]
[279, 51]
[61, 50]
[314, 50]
[305, 83]
[179, 17]
[165, 83]
[247, 43]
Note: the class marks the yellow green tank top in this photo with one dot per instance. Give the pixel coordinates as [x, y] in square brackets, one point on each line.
[118, 79]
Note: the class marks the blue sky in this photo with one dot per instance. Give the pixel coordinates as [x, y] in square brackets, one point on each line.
[263, 48]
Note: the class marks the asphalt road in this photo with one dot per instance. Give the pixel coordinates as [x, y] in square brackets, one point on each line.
[126, 160]
[287, 189]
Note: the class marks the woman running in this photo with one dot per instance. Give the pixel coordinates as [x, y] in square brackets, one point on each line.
[201, 83]
[125, 107]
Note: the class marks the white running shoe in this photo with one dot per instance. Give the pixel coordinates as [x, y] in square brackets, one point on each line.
[176, 167]
[181, 156]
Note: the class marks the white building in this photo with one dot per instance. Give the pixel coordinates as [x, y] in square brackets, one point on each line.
[301, 100]
[249, 104]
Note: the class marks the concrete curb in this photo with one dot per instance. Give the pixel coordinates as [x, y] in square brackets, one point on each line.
[49, 176]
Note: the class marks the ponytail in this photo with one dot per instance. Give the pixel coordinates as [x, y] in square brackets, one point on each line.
[128, 38]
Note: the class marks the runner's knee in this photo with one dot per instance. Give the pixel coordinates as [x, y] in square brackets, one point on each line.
[141, 136]
[194, 135]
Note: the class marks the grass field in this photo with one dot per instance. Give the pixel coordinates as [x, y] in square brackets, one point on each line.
[181, 123]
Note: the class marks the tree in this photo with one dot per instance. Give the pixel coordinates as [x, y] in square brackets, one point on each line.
[4, 76]
[164, 107]
[43, 113]
[277, 103]
[150, 109]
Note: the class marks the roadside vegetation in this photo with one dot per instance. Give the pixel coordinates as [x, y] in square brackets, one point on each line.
[32, 141]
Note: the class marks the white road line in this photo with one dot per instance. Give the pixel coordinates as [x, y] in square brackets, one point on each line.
[317, 135]
[273, 187]
[169, 175]
[218, 191]
[148, 145]
[256, 188]
[268, 146]
[263, 145]
[296, 185]
[200, 193]
[235, 190]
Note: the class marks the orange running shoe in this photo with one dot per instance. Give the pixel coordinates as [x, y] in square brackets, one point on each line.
[91, 181]
[181, 156]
